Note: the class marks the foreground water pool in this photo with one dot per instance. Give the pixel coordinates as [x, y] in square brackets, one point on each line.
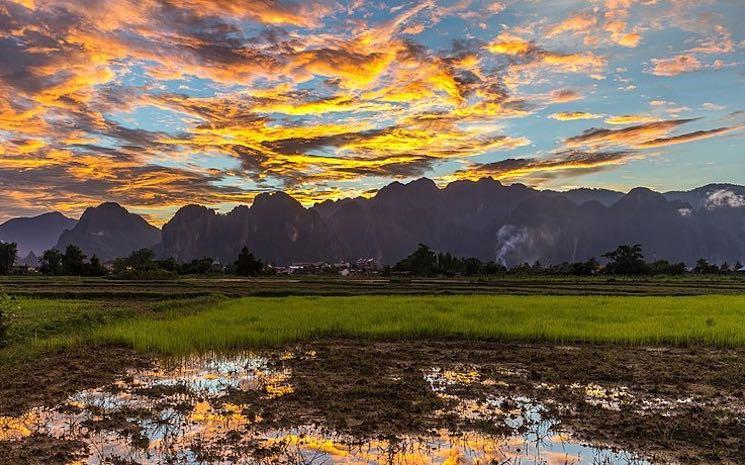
[180, 412]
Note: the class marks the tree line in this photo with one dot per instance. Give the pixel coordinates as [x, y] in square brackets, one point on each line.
[139, 264]
[625, 260]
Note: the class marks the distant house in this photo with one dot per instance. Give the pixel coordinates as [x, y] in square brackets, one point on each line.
[741, 270]
[308, 268]
[21, 269]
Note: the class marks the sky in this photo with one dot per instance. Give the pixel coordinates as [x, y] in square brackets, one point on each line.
[156, 104]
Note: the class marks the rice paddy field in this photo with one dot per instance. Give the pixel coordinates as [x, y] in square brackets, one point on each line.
[717, 321]
[526, 371]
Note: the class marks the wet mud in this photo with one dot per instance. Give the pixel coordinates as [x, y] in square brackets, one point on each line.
[437, 402]
[49, 377]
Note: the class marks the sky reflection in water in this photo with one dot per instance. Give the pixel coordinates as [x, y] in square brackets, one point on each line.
[173, 414]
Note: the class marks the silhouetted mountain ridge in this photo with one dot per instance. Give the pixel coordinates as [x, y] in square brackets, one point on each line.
[277, 227]
[485, 219]
[109, 231]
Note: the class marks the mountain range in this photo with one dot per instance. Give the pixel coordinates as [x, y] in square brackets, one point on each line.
[510, 224]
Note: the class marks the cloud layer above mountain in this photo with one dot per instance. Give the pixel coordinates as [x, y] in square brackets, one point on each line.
[158, 103]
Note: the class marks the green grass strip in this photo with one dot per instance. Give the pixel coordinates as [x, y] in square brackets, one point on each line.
[259, 322]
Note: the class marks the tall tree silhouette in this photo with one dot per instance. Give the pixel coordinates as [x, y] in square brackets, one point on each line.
[422, 262]
[51, 262]
[73, 260]
[247, 264]
[8, 256]
[627, 260]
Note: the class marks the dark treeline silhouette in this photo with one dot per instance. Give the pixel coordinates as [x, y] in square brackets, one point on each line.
[626, 260]
[426, 262]
[70, 263]
[141, 264]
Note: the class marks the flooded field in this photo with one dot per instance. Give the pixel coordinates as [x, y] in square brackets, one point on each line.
[346, 402]
[179, 412]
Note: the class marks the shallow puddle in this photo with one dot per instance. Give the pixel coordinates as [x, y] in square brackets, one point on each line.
[177, 413]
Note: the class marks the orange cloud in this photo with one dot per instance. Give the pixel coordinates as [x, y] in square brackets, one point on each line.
[306, 13]
[578, 23]
[675, 65]
[693, 136]
[560, 164]
[720, 43]
[565, 95]
[632, 135]
[301, 99]
[574, 62]
[647, 135]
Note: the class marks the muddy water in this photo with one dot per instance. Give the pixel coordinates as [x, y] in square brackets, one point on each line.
[178, 413]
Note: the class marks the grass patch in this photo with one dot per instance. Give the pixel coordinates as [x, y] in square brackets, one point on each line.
[256, 322]
[39, 324]
[35, 319]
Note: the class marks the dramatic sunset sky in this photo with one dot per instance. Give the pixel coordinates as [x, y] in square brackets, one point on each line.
[160, 103]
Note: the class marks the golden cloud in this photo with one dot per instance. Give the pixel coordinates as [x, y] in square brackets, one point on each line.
[720, 43]
[630, 119]
[631, 39]
[294, 105]
[510, 45]
[573, 115]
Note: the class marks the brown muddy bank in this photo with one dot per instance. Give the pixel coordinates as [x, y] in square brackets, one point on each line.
[682, 405]
[49, 377]
[658, 406]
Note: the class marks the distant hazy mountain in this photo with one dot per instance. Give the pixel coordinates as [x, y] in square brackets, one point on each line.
[109, 231]
[30, 260]
[485, 219]
[35, 234]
